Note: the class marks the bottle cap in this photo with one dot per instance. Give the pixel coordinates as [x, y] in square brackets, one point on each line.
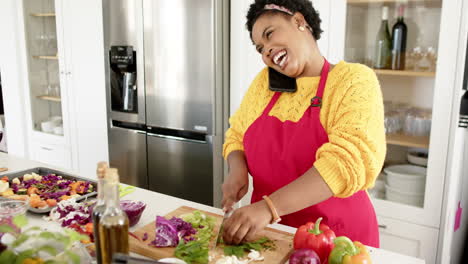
[101, 167]
[385, 13]
[112, 175]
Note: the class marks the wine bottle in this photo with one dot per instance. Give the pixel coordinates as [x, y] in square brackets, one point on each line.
[399, 35]
[113, 227]
[383, 44]
[100, 207]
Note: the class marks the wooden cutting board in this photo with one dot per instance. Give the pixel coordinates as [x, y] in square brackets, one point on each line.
[283, 240]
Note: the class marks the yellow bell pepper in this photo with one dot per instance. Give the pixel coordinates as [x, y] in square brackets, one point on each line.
[347, 252]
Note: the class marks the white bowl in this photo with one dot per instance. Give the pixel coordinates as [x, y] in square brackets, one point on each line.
[417, 156]
[57, 120]
[48, 126]
[406, 178]
[398, 196]
[58, 130]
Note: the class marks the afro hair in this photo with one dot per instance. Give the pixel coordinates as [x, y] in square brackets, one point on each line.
[302, 6]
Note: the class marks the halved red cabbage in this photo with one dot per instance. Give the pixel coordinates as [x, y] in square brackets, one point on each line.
[133, 209]
[170, 232]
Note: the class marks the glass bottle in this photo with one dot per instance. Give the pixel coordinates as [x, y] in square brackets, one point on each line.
[100, 206]
[113, 227]
[399, 36]
[383, 44]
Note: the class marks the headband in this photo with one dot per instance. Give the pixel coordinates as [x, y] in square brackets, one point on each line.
[279, 8]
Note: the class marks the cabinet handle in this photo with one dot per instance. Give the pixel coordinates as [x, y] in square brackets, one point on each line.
[383, 226]
[44, 148]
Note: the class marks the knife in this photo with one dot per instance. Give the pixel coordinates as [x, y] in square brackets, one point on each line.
[217, 238]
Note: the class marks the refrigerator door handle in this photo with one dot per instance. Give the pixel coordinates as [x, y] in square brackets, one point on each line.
[178, 138]
[136, 131]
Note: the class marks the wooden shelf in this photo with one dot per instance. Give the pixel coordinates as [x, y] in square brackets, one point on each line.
[50, 98]
[408, 141]
[405, 73]
[43, 14]
[46, 57]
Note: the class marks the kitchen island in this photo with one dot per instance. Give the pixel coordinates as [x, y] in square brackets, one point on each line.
[160, 204]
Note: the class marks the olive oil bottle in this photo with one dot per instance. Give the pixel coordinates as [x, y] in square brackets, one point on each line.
[113, 225]
[100, 206]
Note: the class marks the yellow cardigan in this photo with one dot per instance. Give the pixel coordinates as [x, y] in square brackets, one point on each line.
[352, 114]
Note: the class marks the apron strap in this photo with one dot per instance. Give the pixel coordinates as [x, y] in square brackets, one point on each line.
[317, 100]
[272, 103]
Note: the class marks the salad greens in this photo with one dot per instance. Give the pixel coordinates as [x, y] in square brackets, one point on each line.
[192, 251]
[196, 251]
[202, 223]
[67, 239]
[239, 251]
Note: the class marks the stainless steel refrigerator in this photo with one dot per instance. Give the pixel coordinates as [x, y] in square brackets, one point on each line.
[167, 89]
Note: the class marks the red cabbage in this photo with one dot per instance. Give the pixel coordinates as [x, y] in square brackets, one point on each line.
[29, 183]
[166, 233]
[169, 232]
[134, 210]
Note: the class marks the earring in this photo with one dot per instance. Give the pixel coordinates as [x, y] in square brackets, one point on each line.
[301, 28]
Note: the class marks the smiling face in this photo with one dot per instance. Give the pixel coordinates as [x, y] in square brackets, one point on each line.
[283, 45]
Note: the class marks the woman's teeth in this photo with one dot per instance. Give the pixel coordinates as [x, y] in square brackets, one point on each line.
[280, 58]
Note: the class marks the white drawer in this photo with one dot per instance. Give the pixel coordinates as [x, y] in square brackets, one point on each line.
[408, 239]
[53, 155]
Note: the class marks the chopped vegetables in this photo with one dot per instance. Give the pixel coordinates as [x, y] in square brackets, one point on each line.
[43, 191]
[192, 252]
[197, 251]
[169, 232]
[253, 256]
[202, 223]
[239, 251]
[70, 212]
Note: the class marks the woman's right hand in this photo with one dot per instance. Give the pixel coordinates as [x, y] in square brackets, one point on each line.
[237, 182]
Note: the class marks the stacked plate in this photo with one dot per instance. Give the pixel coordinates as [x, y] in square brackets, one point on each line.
[406, 184]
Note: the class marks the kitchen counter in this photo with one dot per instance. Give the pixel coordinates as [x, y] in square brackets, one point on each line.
[160, 204]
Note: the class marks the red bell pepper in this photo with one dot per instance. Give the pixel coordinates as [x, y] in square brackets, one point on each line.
[347, 252]
[318, 237]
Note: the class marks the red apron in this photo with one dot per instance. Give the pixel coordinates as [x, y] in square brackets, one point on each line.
[278, 153]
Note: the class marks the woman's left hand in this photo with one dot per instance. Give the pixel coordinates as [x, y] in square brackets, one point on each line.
[245, 222]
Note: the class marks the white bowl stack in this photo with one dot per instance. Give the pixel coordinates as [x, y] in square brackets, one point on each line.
[406, 184]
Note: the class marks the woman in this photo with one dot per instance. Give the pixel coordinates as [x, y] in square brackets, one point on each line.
[311, 153]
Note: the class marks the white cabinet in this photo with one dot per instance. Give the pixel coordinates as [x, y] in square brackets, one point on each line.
[61, 44]
[428, 89]
[55, 155]
[408, 239]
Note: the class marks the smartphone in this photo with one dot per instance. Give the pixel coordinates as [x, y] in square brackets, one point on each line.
[279, 82]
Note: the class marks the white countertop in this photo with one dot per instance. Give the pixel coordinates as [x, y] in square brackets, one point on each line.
[160, 204]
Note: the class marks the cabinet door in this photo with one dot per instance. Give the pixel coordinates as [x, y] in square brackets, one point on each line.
[84, 95]
[417, 78]
[53, 155]
[408, 239]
